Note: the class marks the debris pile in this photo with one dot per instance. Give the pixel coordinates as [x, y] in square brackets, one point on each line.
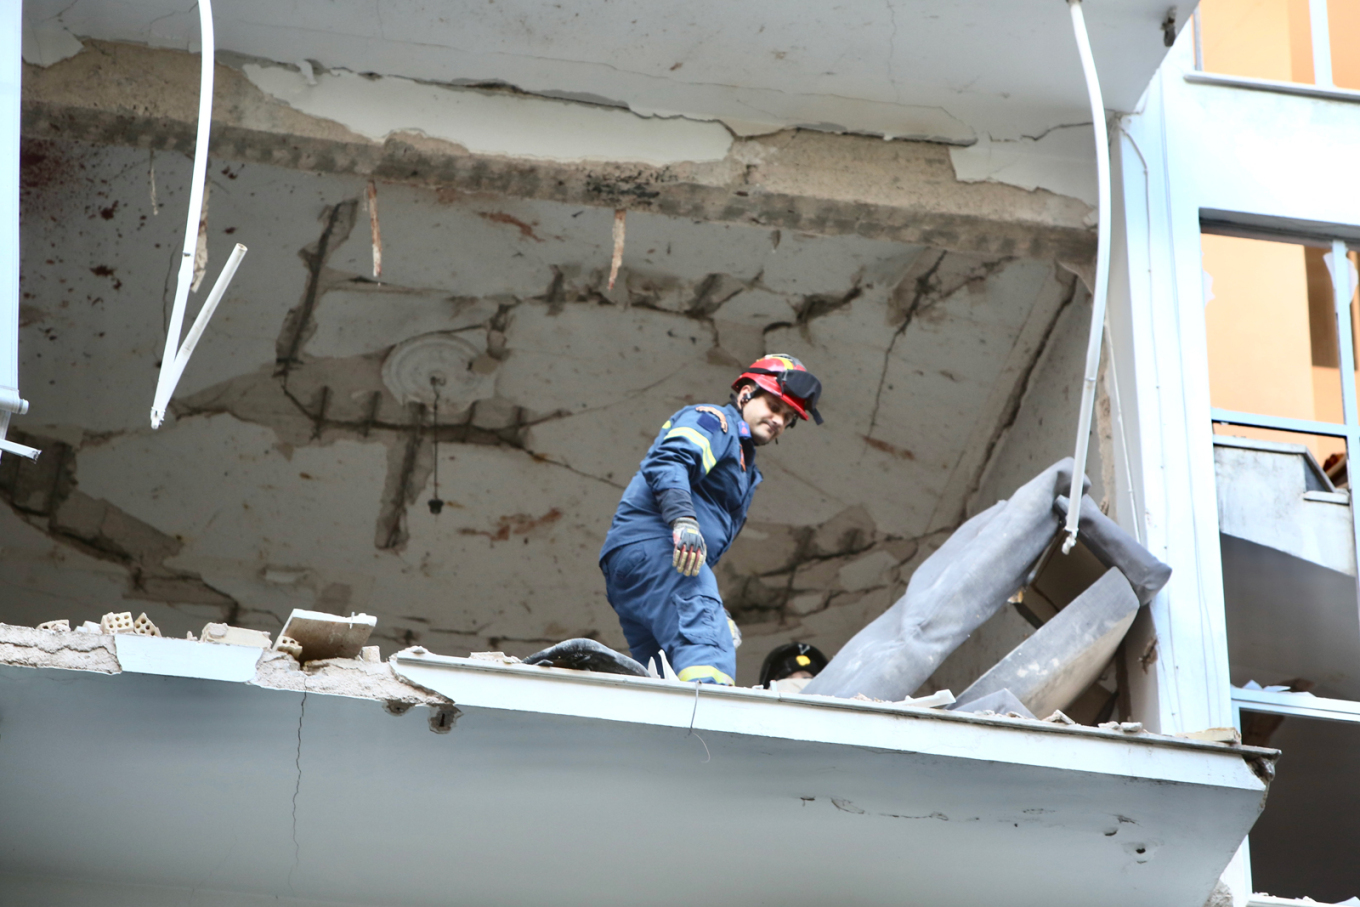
[307, 635]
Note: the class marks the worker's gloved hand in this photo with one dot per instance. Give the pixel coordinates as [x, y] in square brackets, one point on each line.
[690, 549]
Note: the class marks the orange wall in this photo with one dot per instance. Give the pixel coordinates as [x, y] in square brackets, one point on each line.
[1259, 345]
[1344, 30]
[1264, 39]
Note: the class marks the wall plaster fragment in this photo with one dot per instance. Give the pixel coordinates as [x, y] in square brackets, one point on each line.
[795, 180]
[1058, 160]
[350, 677]
[502, 123]
[30, 648]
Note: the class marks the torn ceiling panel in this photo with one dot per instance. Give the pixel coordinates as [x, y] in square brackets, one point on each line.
[292, 476]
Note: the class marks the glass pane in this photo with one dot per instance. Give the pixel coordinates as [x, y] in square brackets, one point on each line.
[1263, 39]
[1343, 25]
[1288, 547]
[1271, 332]
[1304, 843]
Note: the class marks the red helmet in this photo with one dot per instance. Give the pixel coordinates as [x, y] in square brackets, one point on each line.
[788, 379]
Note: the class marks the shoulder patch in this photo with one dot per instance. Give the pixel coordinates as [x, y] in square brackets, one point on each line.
[709, 421]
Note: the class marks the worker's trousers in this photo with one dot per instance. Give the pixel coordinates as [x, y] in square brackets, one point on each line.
[661, 609]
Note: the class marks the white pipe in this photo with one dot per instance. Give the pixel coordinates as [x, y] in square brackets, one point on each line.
[11, 72]
[200, 324]
[165, 387]
[1101, 289]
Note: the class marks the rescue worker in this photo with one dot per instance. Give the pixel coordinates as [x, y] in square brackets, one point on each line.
[792, 661]
[684, 508]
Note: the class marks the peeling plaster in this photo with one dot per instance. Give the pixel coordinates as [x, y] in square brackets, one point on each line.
[943, 72]
[493, 122]
[795, 181]
[47, 41]
[1059, 159]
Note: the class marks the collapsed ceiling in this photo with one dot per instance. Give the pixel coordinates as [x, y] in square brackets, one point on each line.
[291, 476]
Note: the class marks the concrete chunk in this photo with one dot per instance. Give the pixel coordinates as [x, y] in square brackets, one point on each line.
[324, 635]
[223, 634]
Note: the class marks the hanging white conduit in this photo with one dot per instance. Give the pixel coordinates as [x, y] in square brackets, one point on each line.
[1101, 289]
[11, 68]
[176, 357]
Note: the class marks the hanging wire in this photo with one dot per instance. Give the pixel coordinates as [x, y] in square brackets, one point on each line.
[436, 504]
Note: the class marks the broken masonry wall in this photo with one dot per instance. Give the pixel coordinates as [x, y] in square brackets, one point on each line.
[292, 475]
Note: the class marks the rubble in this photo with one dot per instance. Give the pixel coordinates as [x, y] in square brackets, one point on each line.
[56, 626]
[360, 678]
[112, 623]
[143, 626]
[1229, 735]
[1128, 727]
[497, 657]
[323, 636]
[223, 634]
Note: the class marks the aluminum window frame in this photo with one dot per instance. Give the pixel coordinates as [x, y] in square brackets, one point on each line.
[1343, 291]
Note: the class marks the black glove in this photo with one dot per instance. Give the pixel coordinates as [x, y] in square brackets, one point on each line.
[690, 550]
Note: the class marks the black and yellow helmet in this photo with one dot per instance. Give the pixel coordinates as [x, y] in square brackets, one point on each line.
[791, 658]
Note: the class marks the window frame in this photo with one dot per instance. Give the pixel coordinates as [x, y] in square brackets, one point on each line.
[1299, 704]
[1323, 84]
[1343, 291]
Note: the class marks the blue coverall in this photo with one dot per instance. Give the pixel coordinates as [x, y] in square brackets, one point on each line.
[701, 465]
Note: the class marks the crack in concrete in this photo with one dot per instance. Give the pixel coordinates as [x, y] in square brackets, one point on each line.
[946, 275]
[339, 222]
[892, 52]
[44, 495]
[818, 306]
[392, 532]
[1021, 388]
[297, 788]
[922, 287]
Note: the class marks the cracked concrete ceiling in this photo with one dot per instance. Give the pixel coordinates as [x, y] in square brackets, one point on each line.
[954, 72]
[290, 476]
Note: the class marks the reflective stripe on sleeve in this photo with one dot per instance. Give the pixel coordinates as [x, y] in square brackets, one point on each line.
[698, 440]
[700, 672]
